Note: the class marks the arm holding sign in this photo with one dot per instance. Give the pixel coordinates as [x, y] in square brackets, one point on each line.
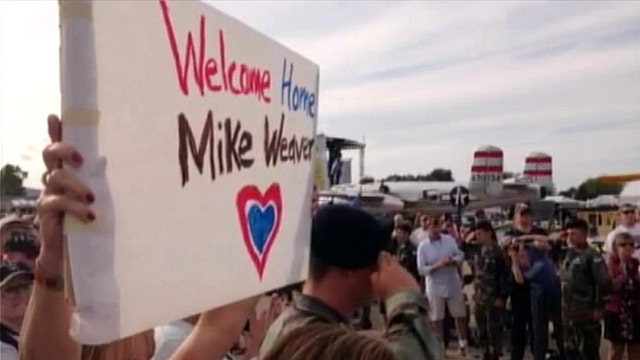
[46, 326]
[216, 331]
[47, 321]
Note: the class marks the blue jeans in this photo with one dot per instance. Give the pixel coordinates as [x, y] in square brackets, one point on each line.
[546, 306]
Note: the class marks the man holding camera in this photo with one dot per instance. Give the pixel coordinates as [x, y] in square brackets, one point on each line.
[516, 240]
[534, 266]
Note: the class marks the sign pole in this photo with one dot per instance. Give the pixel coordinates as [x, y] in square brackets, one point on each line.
[459, 215]
[459, 197]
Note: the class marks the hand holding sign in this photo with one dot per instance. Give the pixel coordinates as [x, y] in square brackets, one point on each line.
[63, 192]
[45, 331]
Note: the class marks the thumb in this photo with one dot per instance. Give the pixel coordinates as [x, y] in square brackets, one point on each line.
[55, 128]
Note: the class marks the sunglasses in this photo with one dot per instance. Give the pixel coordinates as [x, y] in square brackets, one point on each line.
[628, 212]
[22, 289]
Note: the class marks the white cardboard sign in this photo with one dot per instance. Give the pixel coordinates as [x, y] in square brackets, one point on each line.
[197, 134]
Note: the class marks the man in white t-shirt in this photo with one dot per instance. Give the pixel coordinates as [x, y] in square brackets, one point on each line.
[438, 260]
[629, 224]
[420, 234]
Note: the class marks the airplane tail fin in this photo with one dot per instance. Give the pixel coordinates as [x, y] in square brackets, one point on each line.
[487, 170]
[538, 170]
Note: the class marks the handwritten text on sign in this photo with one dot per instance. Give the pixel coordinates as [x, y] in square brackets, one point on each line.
[224, 145]
[219, 74]
[216, 121]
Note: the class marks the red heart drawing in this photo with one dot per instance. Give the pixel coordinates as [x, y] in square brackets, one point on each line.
[260, 217]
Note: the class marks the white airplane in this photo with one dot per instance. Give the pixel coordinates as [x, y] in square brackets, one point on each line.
[486, 187]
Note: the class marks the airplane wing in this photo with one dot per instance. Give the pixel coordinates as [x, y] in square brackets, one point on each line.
[486, 188]
[621, 178]
[507, 197]
[370, 202]
[486, 185]
[432, 202]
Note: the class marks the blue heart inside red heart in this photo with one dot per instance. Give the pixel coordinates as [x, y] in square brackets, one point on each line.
[261, 222]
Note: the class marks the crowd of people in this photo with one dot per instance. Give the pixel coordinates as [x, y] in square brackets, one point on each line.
[526, 280]
[413, 269]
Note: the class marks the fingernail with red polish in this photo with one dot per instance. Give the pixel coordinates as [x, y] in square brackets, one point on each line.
[91, 216]
[77, 158]
[90, 198]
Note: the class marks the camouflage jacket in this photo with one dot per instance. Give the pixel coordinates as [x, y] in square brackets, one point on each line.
[492, 272]
[407, 331]
[406, 254]
[586, 284]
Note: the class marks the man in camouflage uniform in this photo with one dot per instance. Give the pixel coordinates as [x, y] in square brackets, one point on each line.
[491, 290]
[405, 251]
[347, 271]
[585, 286]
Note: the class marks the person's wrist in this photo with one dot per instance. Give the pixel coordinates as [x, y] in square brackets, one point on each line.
[50, 264]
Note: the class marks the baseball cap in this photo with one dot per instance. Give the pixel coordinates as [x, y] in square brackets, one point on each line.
[626, 207]
[10, 272]
[523, 208]
[12, 219]
[346, 237]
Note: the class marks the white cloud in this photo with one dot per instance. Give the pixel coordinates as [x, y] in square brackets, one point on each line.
[29, 85]
[425, 82]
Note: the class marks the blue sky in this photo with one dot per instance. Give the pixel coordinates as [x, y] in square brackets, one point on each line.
[425, 83]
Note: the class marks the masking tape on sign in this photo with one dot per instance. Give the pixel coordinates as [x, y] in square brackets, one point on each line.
[80, 117]
[75, 9]
[74, 225]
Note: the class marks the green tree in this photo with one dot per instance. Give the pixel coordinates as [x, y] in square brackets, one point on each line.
[438, 174]
[366, 180]
[551, 190]
[571, 192]
[592, 188]
[11, 178]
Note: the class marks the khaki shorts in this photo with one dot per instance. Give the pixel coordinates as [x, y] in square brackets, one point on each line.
[456, 305]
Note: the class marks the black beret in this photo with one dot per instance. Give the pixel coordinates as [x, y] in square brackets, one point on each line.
[576, 223]
[346, 237]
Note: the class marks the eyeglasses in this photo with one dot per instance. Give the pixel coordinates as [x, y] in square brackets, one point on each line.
[23, 289]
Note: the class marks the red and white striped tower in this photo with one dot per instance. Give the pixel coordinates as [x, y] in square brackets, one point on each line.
[487, 169]
[538, 169]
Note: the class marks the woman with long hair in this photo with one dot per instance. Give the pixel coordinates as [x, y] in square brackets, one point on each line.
[622, 312]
